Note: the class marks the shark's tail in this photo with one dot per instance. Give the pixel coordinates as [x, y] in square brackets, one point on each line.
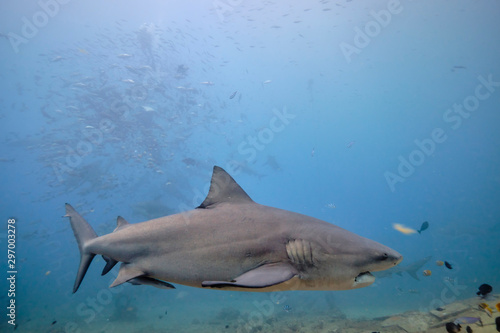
[83, 234]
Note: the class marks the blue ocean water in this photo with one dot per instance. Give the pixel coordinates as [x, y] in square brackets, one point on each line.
[363, 115]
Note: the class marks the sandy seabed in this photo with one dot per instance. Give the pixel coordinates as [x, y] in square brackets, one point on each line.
[234, 320]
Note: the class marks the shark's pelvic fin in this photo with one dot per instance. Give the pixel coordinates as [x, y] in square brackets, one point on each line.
[223, 188]
[83, 234]
[149, 281]
[260, 277]
[132, 275]
[127, 272]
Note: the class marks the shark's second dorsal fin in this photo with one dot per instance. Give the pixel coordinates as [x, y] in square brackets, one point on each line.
[223, 188]
[121, 223]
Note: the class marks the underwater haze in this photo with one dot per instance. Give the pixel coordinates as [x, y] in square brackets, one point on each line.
[374, 116]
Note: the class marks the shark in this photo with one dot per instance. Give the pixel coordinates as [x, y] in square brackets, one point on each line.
[230, 242]
[412, 269]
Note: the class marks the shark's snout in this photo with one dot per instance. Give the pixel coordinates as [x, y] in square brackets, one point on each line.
[392, 257]
[398, 260]
[384, 259]
[395, 257]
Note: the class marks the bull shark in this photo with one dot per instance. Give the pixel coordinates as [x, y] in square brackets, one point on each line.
[231, 242]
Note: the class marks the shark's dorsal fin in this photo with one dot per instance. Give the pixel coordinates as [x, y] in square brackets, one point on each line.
[223, 188]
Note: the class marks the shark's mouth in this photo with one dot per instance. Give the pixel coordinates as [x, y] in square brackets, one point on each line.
[364, 278]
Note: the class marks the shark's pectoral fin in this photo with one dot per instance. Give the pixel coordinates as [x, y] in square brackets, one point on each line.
[260, 277]
[127, 272]
[149, 281]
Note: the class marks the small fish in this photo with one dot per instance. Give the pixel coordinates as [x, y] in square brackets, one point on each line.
[47, 273]
[403, 229]
[267, 81]
[468, 320]
[439, 309]
[453, 328]
[423, 227]
[486, 308]
[468, 329]
[207, 83]
[54, 322]
[427, 272]
[439, 262]
[448, 265]
[350, 144]
[233, 94]
[484, 290]
[498, 307]
[287, 308]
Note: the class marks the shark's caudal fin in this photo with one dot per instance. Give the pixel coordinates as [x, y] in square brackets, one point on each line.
[83, 234]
